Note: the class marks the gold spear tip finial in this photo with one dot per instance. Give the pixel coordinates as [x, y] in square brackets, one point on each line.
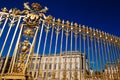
[67, 22]
[103, 33]
[75, 24]
[116, 40]
[90, 28]
[111, 37]
[106, 35]
[87, 29]
[83, 26]
[58, 20]
[96, 30]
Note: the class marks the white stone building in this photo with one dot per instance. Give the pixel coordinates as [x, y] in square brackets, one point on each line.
[59, 64]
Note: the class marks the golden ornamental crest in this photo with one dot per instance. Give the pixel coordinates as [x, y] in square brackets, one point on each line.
[34, 14]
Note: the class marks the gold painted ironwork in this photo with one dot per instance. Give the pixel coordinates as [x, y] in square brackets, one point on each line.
[99, 51]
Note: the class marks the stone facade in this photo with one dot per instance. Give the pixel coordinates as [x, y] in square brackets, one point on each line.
[69, 62]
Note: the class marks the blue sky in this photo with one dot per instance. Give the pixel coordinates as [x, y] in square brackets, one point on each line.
[101, 14]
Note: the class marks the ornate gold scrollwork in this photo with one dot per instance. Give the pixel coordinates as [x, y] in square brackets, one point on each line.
[23, 49]
[29, 32]
[75, 30]
[58, 26]
[4, 9]
[67, 28]
[35, 14]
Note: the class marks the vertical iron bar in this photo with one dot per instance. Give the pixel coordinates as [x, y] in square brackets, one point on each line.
[80, 56]
[99, 56]
[117, 50]
[105, 52]
[66, 50]
[91, 41]
[50, 51]
[102, 59]
[75, 72]
[46, 36]
[117, 65]
[84, 55]
[3, 27]
[38, 47]
[96, 55]
[71, 41]
[110, 45]
[115, 46]
[66, 46]
[112, 51]
[3, 46]
[115, 56]
[88, 56]
[60, 55]
[56, 42]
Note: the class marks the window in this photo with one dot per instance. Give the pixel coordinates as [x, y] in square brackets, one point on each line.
[76, 66]
[56, 59]
[68, 66]
[50, 59]
[37, 66]
[55, 66]
[32, 66]
[49, 74]
[45, 66]
[59, 66]
[46, 59]
[50, 66]
[44, 74]
[35, 74]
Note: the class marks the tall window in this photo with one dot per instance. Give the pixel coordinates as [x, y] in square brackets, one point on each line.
[32, 66]
[55, 66]
[82, 63]
[45, 66]
[59, 66]
[50, 66]
[49, 74]
[50, 59]
[37, 66]
[46, 59]
[56, 59]
[76, 66]
[35, 74]
[44, 74]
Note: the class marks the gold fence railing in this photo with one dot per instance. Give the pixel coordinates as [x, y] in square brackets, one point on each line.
[36, 46]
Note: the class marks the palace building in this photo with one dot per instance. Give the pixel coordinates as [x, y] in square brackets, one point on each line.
[68, 62]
